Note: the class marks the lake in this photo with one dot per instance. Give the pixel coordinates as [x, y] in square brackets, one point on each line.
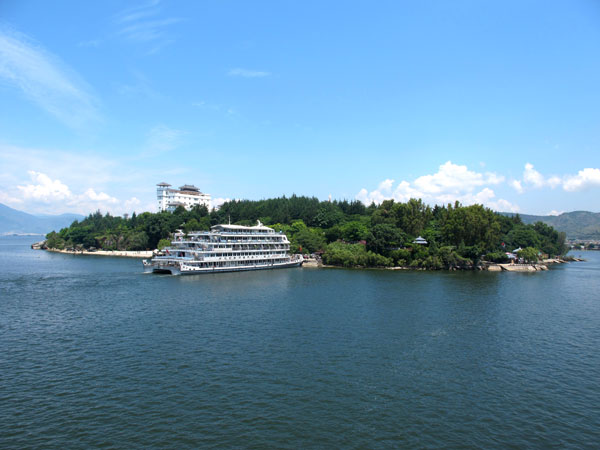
[94, 353]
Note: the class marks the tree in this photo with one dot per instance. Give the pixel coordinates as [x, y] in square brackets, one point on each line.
[137, 241]
[163, 243]
[82, 235]
[551, 241]
[310, 240]
[353, 255]
[199, 211]
[412, 216]
[334, 233]
[328, 215]
[471, 225]
[384, 237]
[497, 257]
[157, 228]
[529, 254]
[53, 240]
[383, 213]
[523, 236]
[354, 231]
[191, 225]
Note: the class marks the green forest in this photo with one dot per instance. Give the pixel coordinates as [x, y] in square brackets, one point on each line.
[345, 233]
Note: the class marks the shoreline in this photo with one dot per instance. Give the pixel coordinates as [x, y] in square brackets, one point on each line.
[493, 267]
[312, 263]
[118, 253]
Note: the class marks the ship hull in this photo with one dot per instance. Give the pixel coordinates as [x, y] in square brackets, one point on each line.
[182, 269]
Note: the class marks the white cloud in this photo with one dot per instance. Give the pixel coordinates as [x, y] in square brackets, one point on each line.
[453, 178]
[404, 192]
[148, 30]
[8, 199]
[456, 182]
[386, 185]
[584, 179]
[363, 196]
[218, 202]
[90, 194]
[132, 204]
[533, 177]
[503, 206]
[140, 86]
[52, 196]
[71, 167]
[246, 73]
[450, 183]
[161, 139]
[45, 81]
[46, 190]
[383, 191]
[554, 181]
[517, 186]
[555, 213]
[128, 176]
[143, 24]
[487, 197]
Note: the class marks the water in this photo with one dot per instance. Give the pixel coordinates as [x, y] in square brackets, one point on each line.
[93, 353]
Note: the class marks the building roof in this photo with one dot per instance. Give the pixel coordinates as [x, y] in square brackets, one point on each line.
[163, 184]
[258, 226]
[189, 187]
[420, 240]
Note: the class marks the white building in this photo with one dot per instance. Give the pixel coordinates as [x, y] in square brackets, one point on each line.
[187, 196]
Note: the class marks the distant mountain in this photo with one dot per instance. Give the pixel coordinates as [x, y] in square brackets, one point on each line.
[19, 222]
[576, 224]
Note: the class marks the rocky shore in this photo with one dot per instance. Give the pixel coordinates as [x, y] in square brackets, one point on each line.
[492, 267]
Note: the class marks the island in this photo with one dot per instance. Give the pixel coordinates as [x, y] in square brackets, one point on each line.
[395, 235]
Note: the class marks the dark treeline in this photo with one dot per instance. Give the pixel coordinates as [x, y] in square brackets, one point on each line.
[346, 233]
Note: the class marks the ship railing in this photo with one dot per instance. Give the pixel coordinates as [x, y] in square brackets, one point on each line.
[230, 241]
[240, 258]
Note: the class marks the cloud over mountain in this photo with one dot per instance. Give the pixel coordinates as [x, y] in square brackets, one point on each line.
[47, 194]
[450, 183]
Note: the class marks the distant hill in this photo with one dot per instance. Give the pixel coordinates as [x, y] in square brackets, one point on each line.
[576, 224]
[19, 222]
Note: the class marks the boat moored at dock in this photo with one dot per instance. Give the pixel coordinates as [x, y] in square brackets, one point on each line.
[225, 248]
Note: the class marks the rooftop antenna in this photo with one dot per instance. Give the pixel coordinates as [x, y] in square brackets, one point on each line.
[229, 219]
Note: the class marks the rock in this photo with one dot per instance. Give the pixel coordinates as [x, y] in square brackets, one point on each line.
[518, 267]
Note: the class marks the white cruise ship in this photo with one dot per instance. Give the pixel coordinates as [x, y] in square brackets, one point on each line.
[226, 248]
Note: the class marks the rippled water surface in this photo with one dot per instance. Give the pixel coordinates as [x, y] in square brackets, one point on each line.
[94, 353]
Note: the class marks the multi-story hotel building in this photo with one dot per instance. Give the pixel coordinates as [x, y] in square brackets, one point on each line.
[187, 196]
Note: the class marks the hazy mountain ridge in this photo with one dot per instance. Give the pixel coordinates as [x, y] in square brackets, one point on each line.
[13, 221]
[576, 224]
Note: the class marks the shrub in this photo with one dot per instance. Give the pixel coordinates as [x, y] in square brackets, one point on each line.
[497, 257]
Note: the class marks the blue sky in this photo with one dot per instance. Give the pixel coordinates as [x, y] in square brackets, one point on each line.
[484, 102]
